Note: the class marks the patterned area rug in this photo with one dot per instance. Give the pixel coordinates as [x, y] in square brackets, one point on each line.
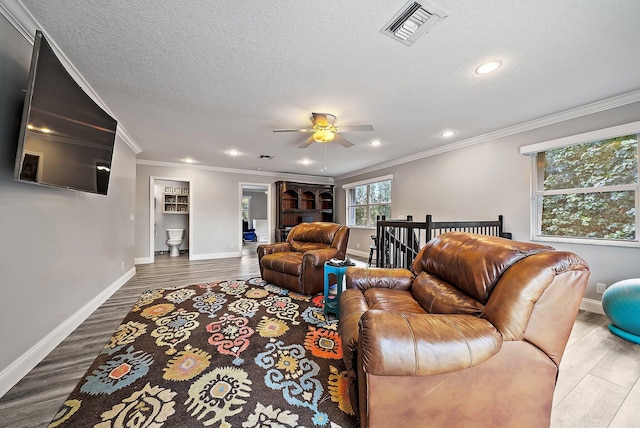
[222, 354]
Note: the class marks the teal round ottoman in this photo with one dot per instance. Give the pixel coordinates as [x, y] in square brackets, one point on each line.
[621, 304]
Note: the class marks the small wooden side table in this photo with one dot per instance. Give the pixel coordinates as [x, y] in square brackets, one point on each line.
[332, 301]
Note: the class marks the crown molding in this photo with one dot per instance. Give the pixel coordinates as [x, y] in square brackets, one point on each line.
[19, 18]
[26, 24]
[574, 113]
[128, 140]
[598, 134]
[280, 175]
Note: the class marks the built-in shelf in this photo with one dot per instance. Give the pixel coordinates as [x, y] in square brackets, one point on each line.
[308, 200]
[175, 203]
[289, 200]
[302, 203]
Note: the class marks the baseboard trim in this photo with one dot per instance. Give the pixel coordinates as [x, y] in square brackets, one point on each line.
[591, 305]
[214, 256]
[27, 361]
[209, 256]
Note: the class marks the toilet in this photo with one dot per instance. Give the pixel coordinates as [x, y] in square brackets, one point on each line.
[174, 241]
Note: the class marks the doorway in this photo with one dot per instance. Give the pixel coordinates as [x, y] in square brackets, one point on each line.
[170, 209]
[255, 214]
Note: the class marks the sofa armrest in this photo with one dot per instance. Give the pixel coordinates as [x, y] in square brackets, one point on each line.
[399, 344]
[352, 306]
[319, 257]
[278, 247]
[365, 278]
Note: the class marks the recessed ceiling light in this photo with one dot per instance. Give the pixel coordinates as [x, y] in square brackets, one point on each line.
[45, 130]
[447, 134]
[233, 152]
[375, 143]
[305, 162]
[188, 160]
[488, 67]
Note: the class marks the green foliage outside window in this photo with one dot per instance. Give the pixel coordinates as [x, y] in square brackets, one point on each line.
[361, 215]
[582, 205]
[360, 193]
[246, 201]
[368, 201]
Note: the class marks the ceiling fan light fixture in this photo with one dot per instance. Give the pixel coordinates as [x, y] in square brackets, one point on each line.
[324, 130]
[323, 136]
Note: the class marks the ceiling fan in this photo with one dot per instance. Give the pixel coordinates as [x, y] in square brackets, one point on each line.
[324, 130]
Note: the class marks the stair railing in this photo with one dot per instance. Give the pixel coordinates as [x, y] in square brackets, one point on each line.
[399, 241]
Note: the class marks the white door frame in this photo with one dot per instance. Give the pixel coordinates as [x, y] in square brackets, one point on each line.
[269, 188]
[152, 211]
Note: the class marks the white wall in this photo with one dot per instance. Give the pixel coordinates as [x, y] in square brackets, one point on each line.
[216, 221]
[61, 248]
[483, 181]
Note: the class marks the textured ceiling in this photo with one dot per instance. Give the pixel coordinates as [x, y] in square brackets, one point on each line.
[197, 78]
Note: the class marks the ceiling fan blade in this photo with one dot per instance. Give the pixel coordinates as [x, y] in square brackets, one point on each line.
[342, 141]
[293, 130]
[306, 143]
[354, 128]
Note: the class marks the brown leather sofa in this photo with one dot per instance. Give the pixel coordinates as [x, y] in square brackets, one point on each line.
[298, 264]
[471, 338]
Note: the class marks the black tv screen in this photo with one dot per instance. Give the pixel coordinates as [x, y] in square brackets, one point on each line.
[66, 139]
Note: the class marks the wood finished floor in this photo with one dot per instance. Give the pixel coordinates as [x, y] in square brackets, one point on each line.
[598, 385]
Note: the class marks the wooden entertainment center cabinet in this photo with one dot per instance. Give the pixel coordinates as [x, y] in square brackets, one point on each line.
[302, 203]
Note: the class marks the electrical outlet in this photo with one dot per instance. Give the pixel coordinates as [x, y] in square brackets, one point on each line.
[600, 287]
[357, 245]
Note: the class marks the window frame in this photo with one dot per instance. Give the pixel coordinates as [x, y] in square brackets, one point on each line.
[247, 210]
[351, 187]
[537, 194]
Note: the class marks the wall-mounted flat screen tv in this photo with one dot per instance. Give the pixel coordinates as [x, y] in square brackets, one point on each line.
[66, 139]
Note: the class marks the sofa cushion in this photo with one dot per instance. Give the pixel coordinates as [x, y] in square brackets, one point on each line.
[392, 300]
[474, 263]
[438, 297]
[312, 236]
[362, 278]
[303, 247]
[285, 262]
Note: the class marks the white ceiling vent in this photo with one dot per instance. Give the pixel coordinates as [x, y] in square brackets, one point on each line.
[412, 21]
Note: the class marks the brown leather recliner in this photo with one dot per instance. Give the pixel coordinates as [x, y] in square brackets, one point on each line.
[472, 337]
[298, 264]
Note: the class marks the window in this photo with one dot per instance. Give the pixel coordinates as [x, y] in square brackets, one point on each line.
[587, 191]
[246, 204]
[368, 199]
